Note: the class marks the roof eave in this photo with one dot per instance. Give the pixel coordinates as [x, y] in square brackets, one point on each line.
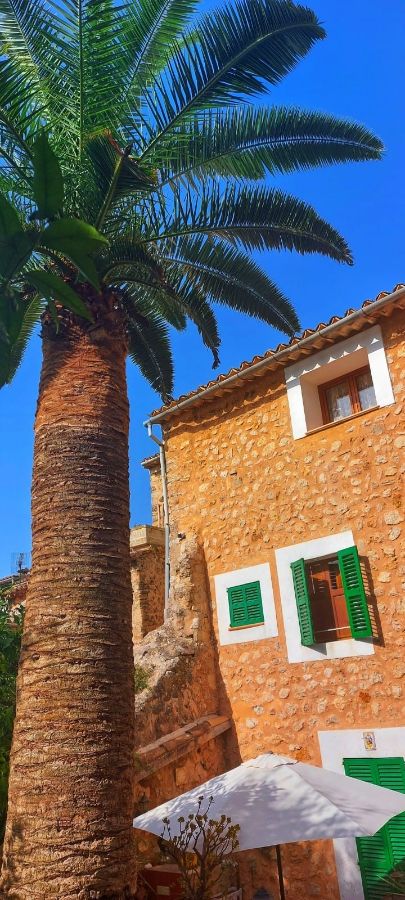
[292, 352]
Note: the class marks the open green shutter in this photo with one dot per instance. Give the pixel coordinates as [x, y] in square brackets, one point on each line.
[356, 601]
[303, 602]
[383, 851]
[245, 604]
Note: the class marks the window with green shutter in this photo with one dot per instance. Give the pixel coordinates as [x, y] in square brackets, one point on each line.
[331, 599]
[385, 850]
[245, 605]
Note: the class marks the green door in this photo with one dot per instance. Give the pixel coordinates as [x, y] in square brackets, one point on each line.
[385, 850]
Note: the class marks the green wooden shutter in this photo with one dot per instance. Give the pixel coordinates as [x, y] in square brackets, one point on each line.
[382, 852]
[254, 603]
[391, 774]
[237, 606]
[303, 602]
[245, 604]
[355, 594]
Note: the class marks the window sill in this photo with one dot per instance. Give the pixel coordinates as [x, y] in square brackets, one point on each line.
[243, 627]
[325, 427]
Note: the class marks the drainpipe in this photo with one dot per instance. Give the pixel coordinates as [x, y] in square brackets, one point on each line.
[163, 473]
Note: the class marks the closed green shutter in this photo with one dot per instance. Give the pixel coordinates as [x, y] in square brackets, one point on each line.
[391, 774]
[303, 602]
[356, 601]
[245, 604]
[381, 853]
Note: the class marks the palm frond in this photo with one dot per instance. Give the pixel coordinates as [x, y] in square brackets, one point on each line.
[89, 51]
[149, 348]
[156, 24]
[162, 300]
[112, 175]
[247, 142]
[24, 72]
[229, 277]
[18, 320]
[196, 307]
[255, 217]
[32, 80]
[236, 51]
[125, 253]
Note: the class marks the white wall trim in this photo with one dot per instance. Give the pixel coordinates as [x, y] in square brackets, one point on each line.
[303, 377]
[325, 546]
[226, 580]
[334, 746]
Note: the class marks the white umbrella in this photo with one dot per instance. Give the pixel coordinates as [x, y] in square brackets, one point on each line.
[276, 800]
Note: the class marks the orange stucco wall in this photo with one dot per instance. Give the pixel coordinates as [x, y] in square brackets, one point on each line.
[239, 480]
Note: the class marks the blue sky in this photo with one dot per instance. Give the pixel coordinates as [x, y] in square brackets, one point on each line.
[357, 72]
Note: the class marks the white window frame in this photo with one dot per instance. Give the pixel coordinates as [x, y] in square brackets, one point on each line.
[325, 546]
[335, 746]
[242, 635]
[304, 377]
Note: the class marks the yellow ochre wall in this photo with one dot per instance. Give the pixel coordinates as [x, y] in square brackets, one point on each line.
[242, 484]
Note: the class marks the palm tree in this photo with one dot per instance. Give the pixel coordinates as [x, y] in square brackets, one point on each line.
[131, 180]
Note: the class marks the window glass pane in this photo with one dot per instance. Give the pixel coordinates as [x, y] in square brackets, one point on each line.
[338, 400]
[365, 389]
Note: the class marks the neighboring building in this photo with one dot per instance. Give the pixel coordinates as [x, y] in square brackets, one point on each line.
[285, 476]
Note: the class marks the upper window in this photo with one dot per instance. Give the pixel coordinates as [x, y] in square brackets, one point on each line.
[346, 378]
[331, 600]
[343, 397]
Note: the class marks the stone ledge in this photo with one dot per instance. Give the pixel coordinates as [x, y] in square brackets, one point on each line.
[151, 462]
[146, 536]
[173, 746]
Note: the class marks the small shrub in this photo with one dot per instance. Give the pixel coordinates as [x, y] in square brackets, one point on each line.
[203, 849]
[141, 678]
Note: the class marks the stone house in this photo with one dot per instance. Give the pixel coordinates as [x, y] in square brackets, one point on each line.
[284, 626]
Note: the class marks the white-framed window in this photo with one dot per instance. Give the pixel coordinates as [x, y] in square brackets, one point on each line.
[245, 605]
[306, 627]
[343, 380]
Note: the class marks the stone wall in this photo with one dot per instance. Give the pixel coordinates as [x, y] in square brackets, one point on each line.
[147, 577]
[245, 487]
[180, 663]
[152, 464]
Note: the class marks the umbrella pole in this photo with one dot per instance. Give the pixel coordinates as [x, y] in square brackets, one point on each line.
[280, 872]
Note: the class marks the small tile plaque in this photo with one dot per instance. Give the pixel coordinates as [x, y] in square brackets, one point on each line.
[369, 740]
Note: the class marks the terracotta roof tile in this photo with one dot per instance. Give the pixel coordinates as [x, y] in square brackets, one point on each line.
[307, 333]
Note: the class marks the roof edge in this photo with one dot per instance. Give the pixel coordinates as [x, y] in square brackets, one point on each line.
[293, 348]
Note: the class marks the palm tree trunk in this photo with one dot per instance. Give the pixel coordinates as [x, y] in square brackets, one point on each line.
[69, 829]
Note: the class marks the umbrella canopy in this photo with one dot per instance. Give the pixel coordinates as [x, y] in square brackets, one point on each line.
[277, 800]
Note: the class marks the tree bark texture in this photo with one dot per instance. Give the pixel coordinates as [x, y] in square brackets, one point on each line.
[69, 829]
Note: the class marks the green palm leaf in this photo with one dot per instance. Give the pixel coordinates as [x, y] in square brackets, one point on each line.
[23, 77]
[231, 278]
[156, 24]
[256, 218]
[18, 320]
[235, 51]
[248, 142]
[149, 349]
